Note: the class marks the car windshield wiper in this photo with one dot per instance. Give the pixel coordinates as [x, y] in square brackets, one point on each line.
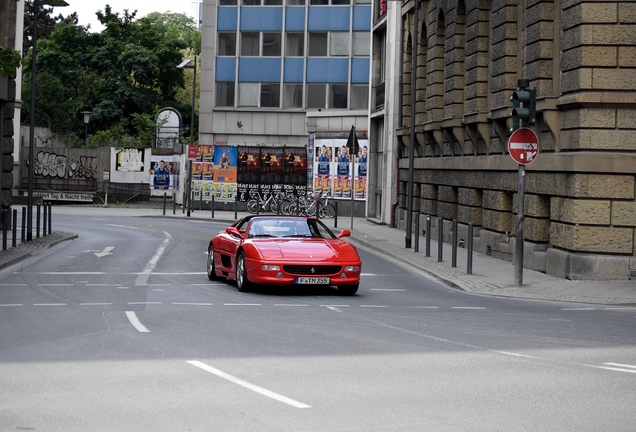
[261, 235]
[299, 235]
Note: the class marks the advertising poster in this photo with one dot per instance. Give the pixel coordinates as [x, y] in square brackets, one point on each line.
[129, 160]
[249, 165]
[336, 173]
[201, 153]
[164, 173]
[295, 167]
[322, 166]
[225, 158]
[272, 165]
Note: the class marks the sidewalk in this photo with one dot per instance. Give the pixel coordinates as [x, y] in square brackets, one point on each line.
[490, 276]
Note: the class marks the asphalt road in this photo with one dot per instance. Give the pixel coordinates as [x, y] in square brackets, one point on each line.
[120, 330]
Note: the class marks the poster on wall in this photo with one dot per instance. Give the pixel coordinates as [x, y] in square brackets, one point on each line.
[129, 160]
[271, 170]
[338, 174]
[164, 172]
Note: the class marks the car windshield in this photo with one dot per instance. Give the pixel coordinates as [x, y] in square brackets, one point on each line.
[281, 227]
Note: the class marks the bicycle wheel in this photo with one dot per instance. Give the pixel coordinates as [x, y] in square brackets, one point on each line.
[330, 211]
[252, 206]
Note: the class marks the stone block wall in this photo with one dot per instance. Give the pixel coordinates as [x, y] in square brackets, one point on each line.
[580, 192]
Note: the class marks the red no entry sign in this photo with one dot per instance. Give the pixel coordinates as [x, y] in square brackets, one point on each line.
[523, 146]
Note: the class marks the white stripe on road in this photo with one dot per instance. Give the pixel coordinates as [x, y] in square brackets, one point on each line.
[247, 385]
[132, 317]
[143, 277]
[192, 304]
[619, 367]
[387, 289]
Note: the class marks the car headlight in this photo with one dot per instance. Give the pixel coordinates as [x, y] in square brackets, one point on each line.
[270, 267]
[352, 268]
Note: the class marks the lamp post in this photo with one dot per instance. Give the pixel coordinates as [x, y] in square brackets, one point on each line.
[36, 9]
[87, 119]
[186, 65]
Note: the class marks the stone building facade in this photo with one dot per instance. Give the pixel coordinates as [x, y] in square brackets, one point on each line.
[8, 13]
[580, 206]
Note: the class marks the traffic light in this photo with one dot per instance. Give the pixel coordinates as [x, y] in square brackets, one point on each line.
[524, 102]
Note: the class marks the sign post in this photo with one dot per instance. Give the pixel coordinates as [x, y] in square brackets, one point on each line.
[523, 146]
[353, 147]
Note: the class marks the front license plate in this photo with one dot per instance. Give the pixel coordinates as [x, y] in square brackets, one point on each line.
[312, 280]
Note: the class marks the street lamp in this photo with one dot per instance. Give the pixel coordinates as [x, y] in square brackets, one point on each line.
[36, 9]
[186, 65]
[87, 119]
[411, 172]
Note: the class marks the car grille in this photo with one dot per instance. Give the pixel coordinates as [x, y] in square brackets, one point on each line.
[312, 270]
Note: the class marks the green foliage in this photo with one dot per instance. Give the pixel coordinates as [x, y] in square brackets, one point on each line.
[9, 62]
[123, 75]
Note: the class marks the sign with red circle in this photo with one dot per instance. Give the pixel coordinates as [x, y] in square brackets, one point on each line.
[523, 146]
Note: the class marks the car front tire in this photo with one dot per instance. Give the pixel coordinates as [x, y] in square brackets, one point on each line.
[242, 282]
[210, 265]
[348, 290]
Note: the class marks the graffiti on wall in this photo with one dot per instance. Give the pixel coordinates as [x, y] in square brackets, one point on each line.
[49, 164]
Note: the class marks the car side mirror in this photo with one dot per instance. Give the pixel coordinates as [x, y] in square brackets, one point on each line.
[344, 233]
[234, 231]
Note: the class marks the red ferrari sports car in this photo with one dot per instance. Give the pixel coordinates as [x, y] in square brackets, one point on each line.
[284, 250]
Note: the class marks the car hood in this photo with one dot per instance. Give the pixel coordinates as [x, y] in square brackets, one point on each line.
[305, 249]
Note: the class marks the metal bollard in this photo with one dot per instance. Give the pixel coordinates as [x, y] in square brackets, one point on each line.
[50, 217]
[417, 232]
[469, 258]
[174, 205]
[454, 246]
[44, 221]
[440, 239]
[212, 205]
[335, 218]
[5, 222]
[428, 235]
[37, 222]
[235, 208]
[23, 235]
[15, 228]
[165, 198]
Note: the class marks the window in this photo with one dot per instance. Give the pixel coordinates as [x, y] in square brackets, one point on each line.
[361, 44]
[227, 44]
[318, 44]
[339, 44]
[359, 97]
[248, 94]
[340, 2]
[249, 43]
[273, 2]
[296, 2]
[319, 2]
[225, 94]
[316, 95]
[271, 44]
[251, 2]
[295, 46]
[338, 96]
[293, 96]
[270, 95]
[227, 2]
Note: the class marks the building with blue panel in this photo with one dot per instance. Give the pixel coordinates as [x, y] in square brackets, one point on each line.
[272, 71]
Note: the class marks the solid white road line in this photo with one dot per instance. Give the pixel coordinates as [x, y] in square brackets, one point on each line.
[248, 385]
[619, 367]
[132, 317]
[387, 289]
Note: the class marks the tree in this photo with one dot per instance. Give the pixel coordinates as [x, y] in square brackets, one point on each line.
[124, 74]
